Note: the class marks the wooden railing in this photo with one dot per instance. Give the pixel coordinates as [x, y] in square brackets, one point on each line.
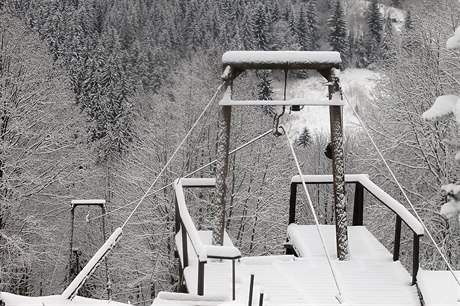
[362, 182]
[185, 226]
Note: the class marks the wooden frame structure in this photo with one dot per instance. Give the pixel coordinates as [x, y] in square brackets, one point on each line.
[93, 202]
[325, 62]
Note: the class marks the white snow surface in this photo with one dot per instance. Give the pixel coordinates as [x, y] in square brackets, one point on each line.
[357, 85]
[454, 41]
[281, 57]
[444, 105]
[451, 209]
[370, 277]
[439, 287]
[53, 300]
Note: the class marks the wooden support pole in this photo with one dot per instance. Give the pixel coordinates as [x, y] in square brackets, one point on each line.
[223, 144]
[340, 200]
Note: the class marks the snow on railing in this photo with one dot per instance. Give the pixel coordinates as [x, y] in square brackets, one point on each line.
[187, 221]
[71, 291]
[370, 186]
[189, 231]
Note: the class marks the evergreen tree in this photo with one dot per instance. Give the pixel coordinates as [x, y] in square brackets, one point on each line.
[313, 25]
[304, 140]
[373, 37]
[374, 21]
[302, 30]
[264, 89]
[247, 32]
[261, 29]
[338, 34]
[396, 3]
[408, 25]
[388, 48]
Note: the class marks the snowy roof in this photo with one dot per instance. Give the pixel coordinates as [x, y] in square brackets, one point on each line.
[281, 59]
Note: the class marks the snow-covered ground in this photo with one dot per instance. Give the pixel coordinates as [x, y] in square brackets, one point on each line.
[357, 85]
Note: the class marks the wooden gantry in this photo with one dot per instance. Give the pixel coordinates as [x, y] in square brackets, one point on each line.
[326, 63]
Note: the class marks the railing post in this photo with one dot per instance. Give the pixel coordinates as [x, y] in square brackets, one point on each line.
[251, 290]
[358, 205]
[184, 244]
[397, 242]
[233, 280]
[177, 215]
[200, 278]
[415, 258]
[292, 203]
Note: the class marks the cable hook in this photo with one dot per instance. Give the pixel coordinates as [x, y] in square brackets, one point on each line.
[276, 122]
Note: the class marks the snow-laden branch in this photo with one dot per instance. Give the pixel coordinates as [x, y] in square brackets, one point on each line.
[454, 42]
[443, 106]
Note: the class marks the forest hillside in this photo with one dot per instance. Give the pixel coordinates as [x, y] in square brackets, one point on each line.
[95, 95]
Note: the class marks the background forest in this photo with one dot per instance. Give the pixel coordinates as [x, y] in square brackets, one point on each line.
[96, 94]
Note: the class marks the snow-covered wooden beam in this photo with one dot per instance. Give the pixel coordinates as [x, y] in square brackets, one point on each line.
[319, 60]
[295, 101]
[88, 202]
[71, 291]
[198, 182]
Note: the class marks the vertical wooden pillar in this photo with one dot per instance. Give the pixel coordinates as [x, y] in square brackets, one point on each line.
[223, 143]
[340, 201]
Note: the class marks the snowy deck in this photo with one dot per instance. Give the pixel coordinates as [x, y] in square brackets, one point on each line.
[370, 277]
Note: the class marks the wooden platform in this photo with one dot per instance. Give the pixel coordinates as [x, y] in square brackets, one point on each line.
[370, 277]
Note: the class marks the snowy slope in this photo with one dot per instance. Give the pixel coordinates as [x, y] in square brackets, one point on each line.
[357, 85]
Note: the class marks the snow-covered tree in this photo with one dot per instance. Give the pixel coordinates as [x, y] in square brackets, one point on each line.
[445, 105]
[338, 33]
[261, 28]
[396, 3]
[304, 139]
[388, 45]
[313, 25]
[265, 89]
[303, 33]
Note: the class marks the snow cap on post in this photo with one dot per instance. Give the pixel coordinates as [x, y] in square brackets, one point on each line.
[242, 60]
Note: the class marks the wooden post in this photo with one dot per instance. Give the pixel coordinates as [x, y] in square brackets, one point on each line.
[292, 203]
[415, 258]
[340, 201]
[200, 289]
[223, 143]
[358, 208]
[397, 243]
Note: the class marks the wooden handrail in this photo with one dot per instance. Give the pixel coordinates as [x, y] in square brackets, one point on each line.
[184, 224]
[362, 182]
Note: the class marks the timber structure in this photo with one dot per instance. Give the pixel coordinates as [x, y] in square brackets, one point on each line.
[340, 264]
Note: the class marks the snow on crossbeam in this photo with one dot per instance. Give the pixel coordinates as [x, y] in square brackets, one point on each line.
[281, 59]
[295, 101]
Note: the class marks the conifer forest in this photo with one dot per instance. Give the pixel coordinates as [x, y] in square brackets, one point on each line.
[95, 95]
